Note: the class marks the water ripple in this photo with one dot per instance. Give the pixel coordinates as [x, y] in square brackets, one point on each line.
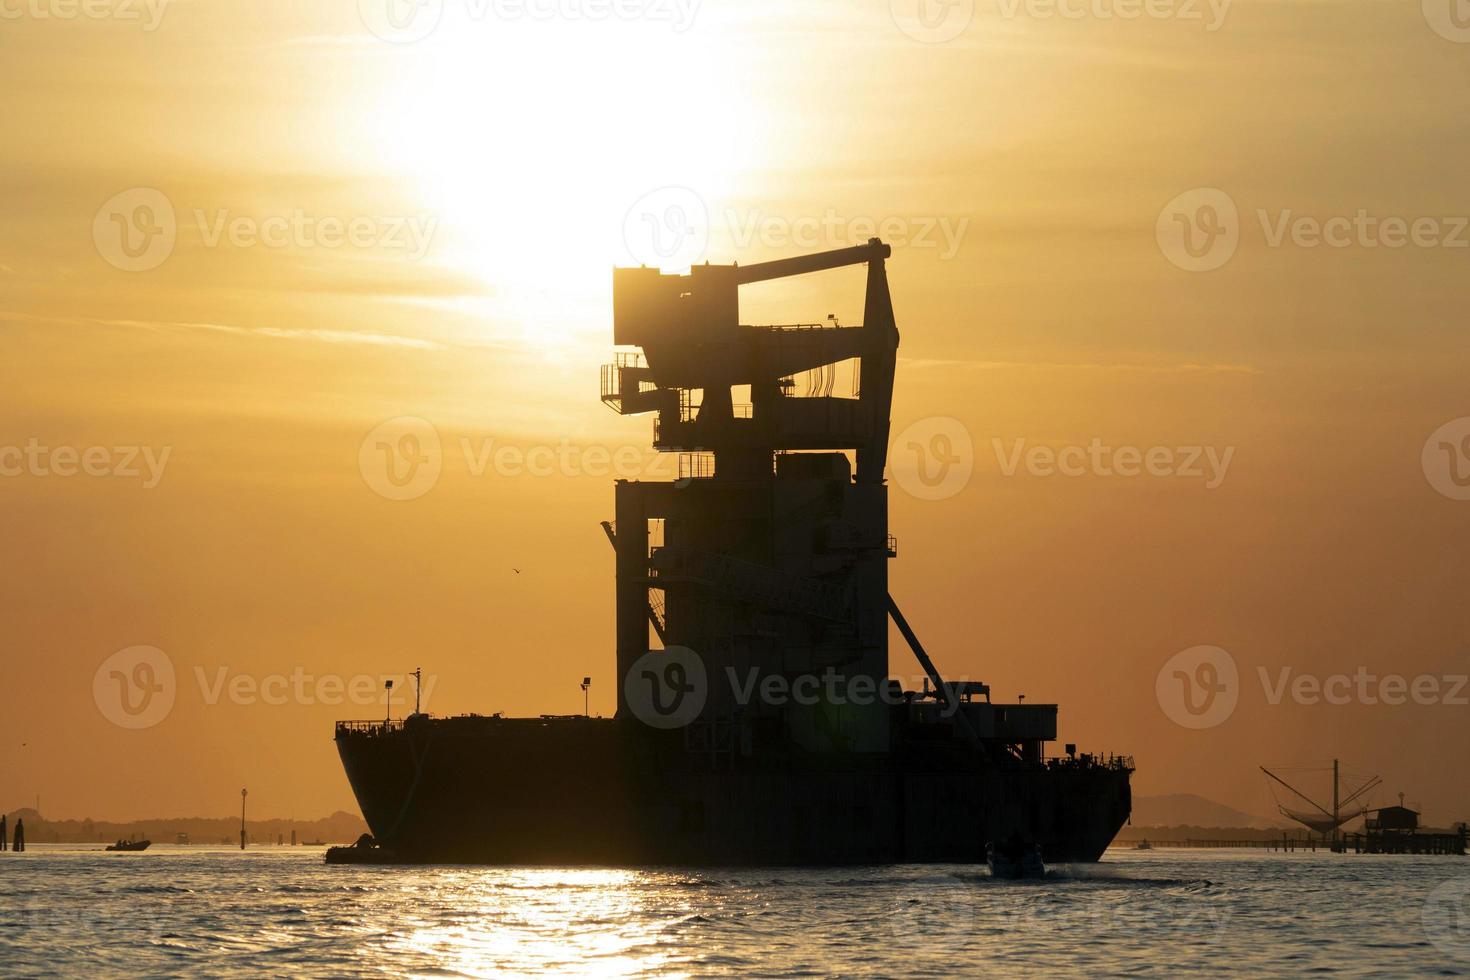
[196, 911]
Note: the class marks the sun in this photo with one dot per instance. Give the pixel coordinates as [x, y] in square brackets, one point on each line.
[531, 141]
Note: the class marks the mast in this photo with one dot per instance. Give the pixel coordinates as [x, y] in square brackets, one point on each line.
[1336, 815]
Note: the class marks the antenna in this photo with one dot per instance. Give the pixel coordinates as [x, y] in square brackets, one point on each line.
[418, 688]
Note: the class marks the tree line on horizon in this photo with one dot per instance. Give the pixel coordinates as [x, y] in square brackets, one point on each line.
[339, 828]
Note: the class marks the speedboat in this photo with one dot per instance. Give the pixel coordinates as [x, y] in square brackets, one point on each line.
[130, 845]
[1015, 860]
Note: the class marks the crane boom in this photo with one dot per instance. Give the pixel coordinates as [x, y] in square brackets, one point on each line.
[1298, 793]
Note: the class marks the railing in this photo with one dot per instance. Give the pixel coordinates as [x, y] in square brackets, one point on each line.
[612, 378]
[830, 325]
[1088, 760]
[696, 466]
[656, 606]
[612, 386]
[688, 407]
[369, 727]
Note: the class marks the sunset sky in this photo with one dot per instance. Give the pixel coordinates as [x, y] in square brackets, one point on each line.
[496, 170]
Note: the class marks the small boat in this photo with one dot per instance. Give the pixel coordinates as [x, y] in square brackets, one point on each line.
[1015, 859]
[365, 851]
[1143, 845]
[130, 845]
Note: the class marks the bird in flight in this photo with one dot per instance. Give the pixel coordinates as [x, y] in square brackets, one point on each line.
[516, 570]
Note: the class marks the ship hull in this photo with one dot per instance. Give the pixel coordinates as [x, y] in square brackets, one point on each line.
[591, 792]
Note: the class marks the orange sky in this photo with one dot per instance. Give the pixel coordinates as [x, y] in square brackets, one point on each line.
[1043, 147]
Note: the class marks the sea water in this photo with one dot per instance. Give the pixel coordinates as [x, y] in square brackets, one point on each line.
[188, 911]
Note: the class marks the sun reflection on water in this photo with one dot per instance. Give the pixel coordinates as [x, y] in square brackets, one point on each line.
[605, 923]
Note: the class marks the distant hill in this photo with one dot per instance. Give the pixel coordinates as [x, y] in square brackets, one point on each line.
[1189, 810]
[340, 828]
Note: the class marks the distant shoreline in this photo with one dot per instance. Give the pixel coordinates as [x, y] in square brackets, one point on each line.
[1134, 834]
[338, 828]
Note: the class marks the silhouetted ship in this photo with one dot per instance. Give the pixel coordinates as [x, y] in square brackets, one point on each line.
[763, 727]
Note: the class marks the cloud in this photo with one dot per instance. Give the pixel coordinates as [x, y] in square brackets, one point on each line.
[324, 336]
[277, 333]
[1158, 368]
